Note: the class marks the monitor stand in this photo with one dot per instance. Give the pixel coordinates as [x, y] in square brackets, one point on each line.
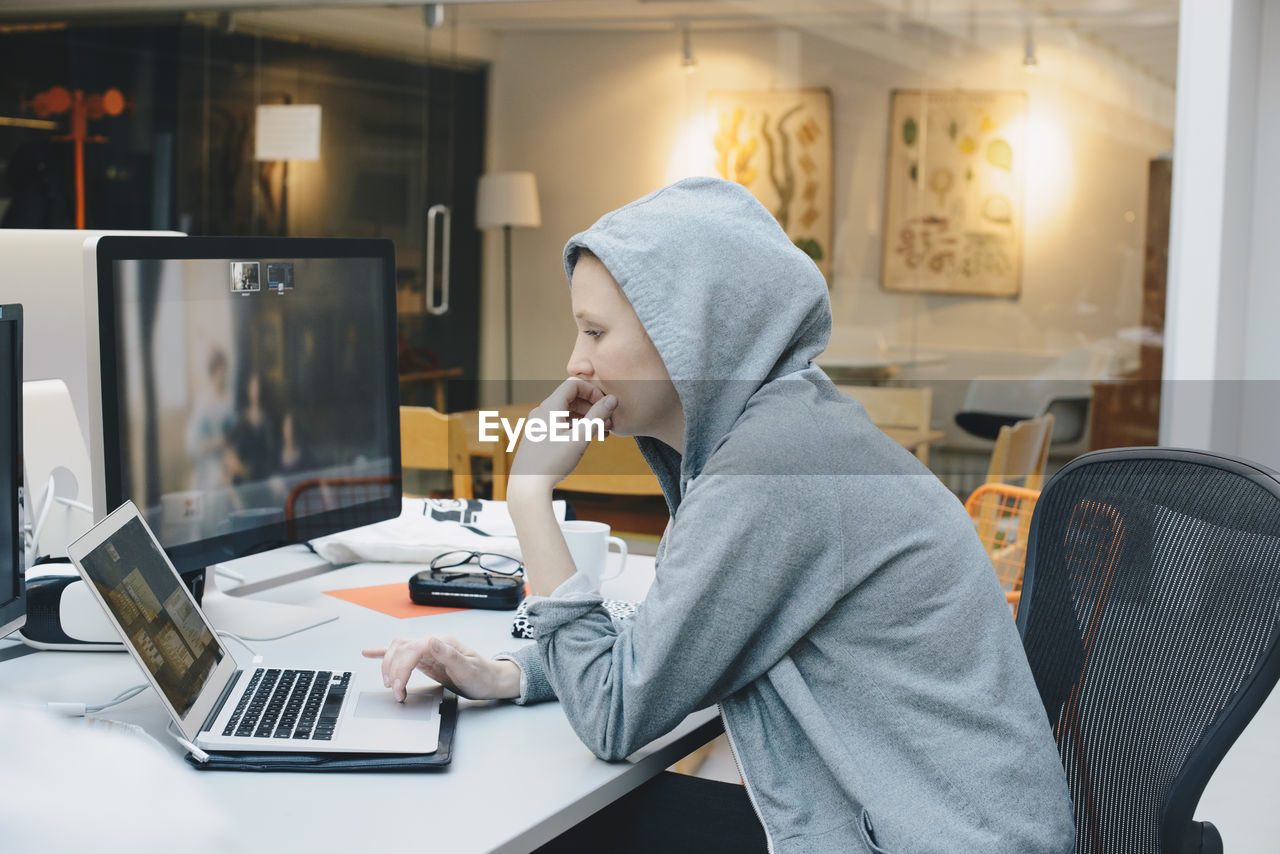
[254, 619]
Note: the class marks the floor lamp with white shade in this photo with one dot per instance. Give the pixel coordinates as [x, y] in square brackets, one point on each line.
[507, 200]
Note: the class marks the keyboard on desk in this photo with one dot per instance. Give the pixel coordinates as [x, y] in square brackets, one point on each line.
[299, 704]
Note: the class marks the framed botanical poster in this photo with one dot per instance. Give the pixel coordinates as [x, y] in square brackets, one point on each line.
[777, 144]
[954, 194]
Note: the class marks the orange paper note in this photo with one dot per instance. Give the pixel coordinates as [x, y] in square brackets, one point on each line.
[390, 599]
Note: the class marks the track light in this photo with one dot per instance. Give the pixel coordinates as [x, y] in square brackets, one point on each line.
[687, 62]
[1029, 59]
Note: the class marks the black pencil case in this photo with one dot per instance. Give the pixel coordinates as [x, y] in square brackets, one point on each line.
[442, 587]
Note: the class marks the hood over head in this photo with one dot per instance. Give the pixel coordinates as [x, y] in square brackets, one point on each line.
[728, 300]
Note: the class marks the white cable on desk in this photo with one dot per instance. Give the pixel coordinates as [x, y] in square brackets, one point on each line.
[257, 659]
[79, 710]
[198, 754]
[82, 709]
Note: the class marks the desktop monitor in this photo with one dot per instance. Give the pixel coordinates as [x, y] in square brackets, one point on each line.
[249, 393]
[44, 270]
[12, 553]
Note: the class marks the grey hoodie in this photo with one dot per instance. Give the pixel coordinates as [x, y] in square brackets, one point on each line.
[815, 580]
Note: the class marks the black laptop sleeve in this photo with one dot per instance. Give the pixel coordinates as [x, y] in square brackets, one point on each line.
[440, 759]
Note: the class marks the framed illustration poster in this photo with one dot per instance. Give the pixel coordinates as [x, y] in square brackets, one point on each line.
[777, 144]
[954, 193]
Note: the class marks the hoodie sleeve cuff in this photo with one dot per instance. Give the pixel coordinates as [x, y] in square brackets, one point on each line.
[568, 602]
[534, 686]
[549, 615]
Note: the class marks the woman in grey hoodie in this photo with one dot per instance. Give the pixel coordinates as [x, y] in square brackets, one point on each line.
[815, 580]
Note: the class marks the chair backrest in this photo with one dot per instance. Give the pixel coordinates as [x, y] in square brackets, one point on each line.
[1022, 452]
[896, 407]
[614, 467]
[1149, 618]
[318, 505]
[1001, 515]
[468, 446]
[435, 441]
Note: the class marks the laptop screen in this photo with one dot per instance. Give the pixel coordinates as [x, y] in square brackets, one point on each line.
[155, 611]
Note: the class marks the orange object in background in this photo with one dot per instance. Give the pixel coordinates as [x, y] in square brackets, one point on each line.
[109, 103]
[1001, 514]
[82, 108]
[390, 599]
[50, 102]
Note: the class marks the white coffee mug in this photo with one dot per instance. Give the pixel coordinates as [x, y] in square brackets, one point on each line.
[589, 545]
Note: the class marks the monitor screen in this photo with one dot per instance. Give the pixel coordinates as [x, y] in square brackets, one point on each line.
[249, 389]
[12, 606]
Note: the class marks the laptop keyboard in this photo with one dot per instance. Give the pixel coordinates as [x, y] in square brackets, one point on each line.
[299, 704]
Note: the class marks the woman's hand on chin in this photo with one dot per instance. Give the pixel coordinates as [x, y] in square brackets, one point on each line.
[540, 465]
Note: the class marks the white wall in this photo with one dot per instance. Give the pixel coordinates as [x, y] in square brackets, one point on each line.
[1260, 411]
[1222, 355]
[602, 118]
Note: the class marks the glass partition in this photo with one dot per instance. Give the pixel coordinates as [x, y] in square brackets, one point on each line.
[985, 184]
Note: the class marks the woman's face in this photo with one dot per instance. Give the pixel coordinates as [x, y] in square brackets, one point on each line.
[613, 353]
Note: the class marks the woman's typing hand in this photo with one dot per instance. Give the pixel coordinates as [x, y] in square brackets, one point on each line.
[449, 662]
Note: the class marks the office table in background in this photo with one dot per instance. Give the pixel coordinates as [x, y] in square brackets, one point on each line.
[912, 439]
[874, 366]
[520, 776]
[437, 377]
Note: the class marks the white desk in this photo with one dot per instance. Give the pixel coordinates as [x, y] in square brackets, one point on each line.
[519, 776]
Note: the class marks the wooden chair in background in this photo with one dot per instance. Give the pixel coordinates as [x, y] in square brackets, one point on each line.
[612, 484]
[612, 467]
[902, 413]
[468, 447]
[1001, 514]
[1001, 508]
[319, 505]
[1022, 452]
[434, 441]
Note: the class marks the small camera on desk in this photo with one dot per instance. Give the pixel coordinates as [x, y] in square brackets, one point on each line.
[63, 615]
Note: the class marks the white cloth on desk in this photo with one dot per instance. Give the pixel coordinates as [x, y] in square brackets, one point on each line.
[426, 528]
[73, 789]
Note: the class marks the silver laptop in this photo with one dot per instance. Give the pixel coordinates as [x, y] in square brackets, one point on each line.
[217, 705]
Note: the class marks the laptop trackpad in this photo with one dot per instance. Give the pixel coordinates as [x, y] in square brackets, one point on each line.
[420, 705]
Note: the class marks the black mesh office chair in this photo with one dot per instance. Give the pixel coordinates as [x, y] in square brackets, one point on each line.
[1149, 616]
